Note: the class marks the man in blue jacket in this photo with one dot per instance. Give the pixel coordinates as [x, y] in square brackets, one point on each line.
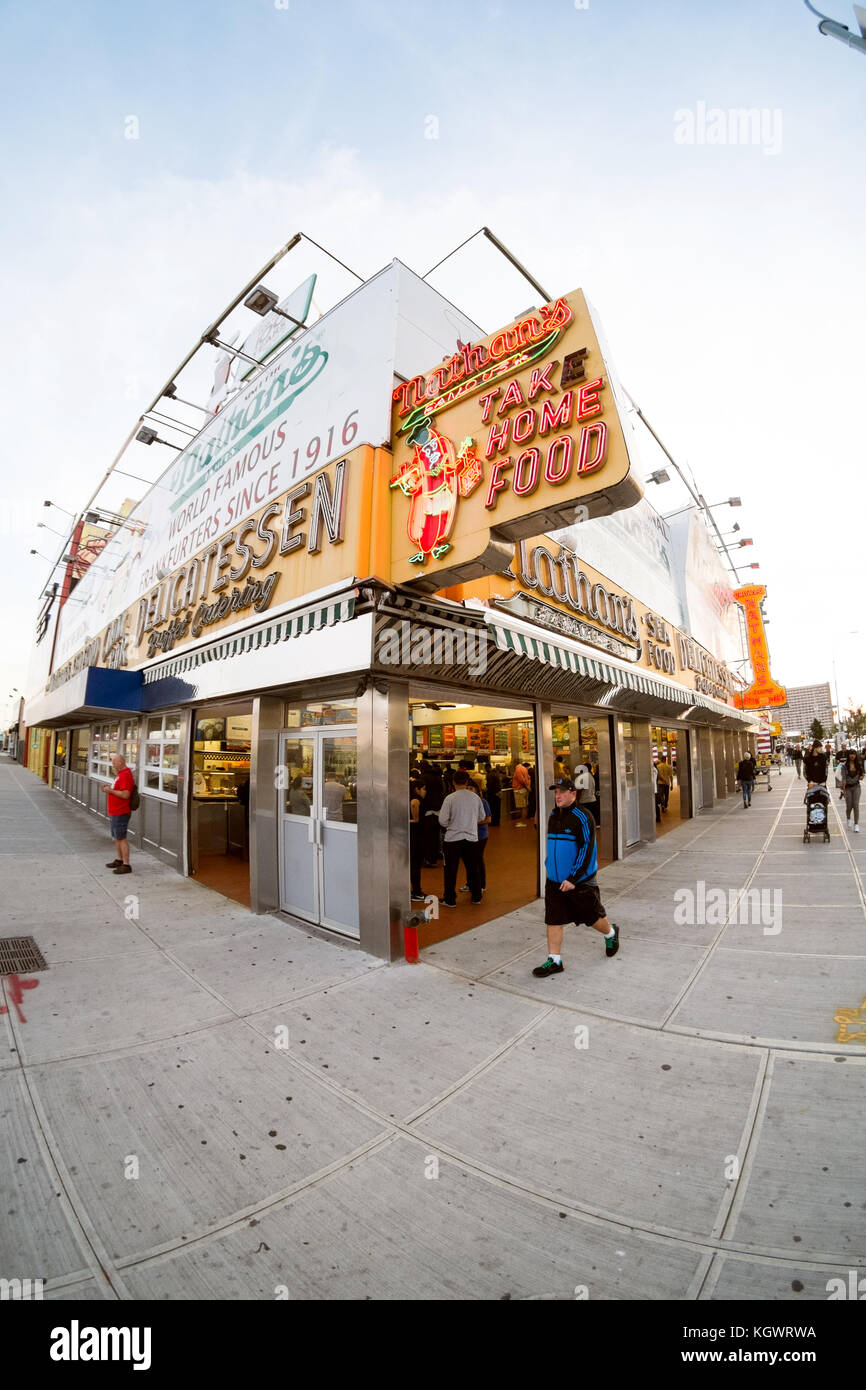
[571, 893]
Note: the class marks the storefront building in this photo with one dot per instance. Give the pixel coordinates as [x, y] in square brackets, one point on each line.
[359, 563]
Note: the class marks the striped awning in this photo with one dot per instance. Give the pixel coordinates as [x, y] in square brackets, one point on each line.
[625, 687]
[279, 629]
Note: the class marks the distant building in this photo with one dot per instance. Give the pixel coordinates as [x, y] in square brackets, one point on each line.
[805, 703]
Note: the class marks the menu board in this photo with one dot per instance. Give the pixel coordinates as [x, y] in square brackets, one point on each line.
[448, 735]
[435, 735]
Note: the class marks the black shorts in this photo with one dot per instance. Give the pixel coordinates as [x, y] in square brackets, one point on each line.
[579, 905]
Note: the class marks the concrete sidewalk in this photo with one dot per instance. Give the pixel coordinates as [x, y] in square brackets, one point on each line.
[204, 1104]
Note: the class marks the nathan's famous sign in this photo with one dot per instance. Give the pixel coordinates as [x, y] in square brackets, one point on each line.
[501, 441]
[547, 584]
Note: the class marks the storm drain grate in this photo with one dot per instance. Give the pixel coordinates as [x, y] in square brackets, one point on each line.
[19, 955]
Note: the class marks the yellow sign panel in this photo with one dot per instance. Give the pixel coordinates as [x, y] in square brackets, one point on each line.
[500, 441]
[548, 585]
[325, 530]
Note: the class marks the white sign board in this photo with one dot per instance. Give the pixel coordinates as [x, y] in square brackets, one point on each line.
[328, 392]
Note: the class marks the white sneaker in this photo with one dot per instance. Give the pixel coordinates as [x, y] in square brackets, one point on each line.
[521, 825]
[856, 830]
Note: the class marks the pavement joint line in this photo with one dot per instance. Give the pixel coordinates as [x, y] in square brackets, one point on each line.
[698, 1280]
[667, 1235]
[776, 1045]
[733, 1039]
[736, 1207]
[486, 1065]
[239, 1220]
[747, 1145]
[82, 1230]
[704, 1293]
[710, 949]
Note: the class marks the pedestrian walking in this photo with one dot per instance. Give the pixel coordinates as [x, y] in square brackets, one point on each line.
[521, 786]
[853, 771]
[494, 795]
[117, 805]
[417, 792]
[815, 764]
[571, 893]
[797, 755]
[746, 774]
[461, 813]
[666, 777]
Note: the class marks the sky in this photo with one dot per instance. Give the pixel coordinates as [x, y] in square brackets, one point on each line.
[155, 155]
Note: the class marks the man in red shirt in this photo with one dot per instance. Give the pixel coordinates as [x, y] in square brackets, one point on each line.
[118, 813]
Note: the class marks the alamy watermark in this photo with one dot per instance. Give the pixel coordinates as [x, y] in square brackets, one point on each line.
[703, 906]
[413, 645]
[738, 125]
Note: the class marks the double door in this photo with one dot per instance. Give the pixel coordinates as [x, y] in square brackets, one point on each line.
[318, 827]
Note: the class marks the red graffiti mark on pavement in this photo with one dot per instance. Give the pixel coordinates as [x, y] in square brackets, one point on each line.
[17, 987]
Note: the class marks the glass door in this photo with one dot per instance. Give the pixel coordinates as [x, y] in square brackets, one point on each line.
[318, 827]
[299, 880]
[632, 804]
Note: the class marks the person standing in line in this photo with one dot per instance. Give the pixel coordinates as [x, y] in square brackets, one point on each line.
[494, 797]
[746, 773]
[118, 810]
[571, 893]
[656, 796]
[815, 764]
[434, 794]
[417, 792]
[521, 785]
[852, 770]
[461, 814]
[797, 755]
[482, 843]
[666, 777]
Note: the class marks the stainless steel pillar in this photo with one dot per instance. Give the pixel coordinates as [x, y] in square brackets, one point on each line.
[268, 719]
[383, 817]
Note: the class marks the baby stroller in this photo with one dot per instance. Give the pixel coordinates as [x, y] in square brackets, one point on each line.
[817, 802]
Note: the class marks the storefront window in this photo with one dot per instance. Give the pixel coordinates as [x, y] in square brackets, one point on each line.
[322, 714]
[129, 743]
[162, 754]
[61, 748]
[104, 744]
[79, 744]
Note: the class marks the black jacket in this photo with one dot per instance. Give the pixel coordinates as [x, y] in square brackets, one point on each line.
[815, 767]
[746, 770]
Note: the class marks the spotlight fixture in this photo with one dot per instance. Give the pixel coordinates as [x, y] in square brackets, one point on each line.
[149, 436]
[661, 475]
[263, 301]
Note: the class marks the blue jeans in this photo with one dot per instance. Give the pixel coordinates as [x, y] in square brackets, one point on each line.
[748, 788]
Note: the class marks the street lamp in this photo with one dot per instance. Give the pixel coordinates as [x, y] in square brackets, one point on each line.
[841, 31]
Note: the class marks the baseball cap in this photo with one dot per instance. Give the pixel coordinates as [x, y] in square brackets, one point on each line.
[565, 784]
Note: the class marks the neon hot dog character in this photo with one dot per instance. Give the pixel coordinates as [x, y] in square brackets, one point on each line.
[434, 481]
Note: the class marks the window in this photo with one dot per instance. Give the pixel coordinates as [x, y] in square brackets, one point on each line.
[61, 748]
[103, 745]
[129, 744]
[79, 743]
[162, 754]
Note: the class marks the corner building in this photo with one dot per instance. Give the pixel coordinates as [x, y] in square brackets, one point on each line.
[366, 558]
